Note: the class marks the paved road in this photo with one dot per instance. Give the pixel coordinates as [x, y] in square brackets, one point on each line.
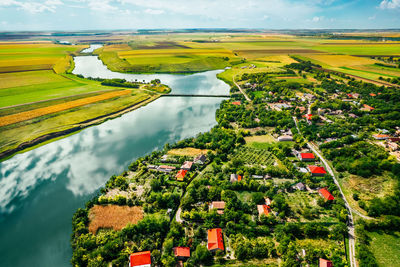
[241, 90]
[352, 249]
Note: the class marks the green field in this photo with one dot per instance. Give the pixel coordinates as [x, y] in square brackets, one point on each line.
[386, 248]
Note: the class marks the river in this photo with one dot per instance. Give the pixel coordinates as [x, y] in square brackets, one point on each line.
[40, 189]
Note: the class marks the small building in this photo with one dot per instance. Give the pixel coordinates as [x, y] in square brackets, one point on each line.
[236, 103]
[367, 108]
[372, 94]
[325, 194]
[152, 167]
[200, 159]
[263, 209]
[180, 176]
[140, 259]
[182, 253]
[268, 201]
[166, 168]
[303, 170]
[316, 170]
[307, 157]
[300, 186]
[214, 239]
[218, 205]
[187, 165]
[301, 109]
[257, 176]
[284, 138]
[164, 158]
[308, 116]
[325, 263]
[381, 136]
[354, 116]
[235, 178]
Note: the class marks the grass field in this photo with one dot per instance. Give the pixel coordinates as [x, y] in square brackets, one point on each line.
[113, 217]
[187, 151]
[386, 248]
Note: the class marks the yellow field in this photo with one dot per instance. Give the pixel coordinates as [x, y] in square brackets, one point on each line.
[28, 115]
[15, 79]
[113, 217]
[187, 151]
[341, 60]
[260, 139]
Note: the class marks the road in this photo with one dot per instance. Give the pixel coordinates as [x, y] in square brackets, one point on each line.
[352, 249]
[241, 90]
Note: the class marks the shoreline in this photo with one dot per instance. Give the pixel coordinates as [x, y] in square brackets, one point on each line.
[80, 126]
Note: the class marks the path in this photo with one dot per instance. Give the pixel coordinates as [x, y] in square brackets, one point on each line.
[352, 249]
[241, 90]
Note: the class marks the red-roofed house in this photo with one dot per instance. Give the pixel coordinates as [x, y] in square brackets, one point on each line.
[263, 209]
[325, 263]
[182, 252]
[181, 175]
[140, 259]
[307, 157]
[325, 194]
[308, 116]
[236, 103]
[372, 94]
[215, 240]
[316, 170]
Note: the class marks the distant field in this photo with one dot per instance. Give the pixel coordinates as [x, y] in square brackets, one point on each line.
[113, 217]
[378, 49]
[386, 248]
[341, 60]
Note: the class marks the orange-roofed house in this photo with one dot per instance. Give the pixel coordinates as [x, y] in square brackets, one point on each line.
[325, 194]
[367, 108]
[316, 170]
[182, 252]
[263, 209]
[372, 94]
[180, 176]
[381, 136]
[307, 157]
[140, 259]
[215, 240]
[325, 263]
[236, 103]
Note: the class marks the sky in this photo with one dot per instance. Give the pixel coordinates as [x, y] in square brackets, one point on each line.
[73, 15]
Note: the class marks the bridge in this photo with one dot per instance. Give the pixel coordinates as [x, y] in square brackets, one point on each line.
[192, 95]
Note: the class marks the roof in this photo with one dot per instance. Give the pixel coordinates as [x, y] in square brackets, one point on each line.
[316, 169]
[201, 158]
[166, 167]
[300, 185]
[395, 139]
[218, 204]
[181, 175]
[368, 107]
[181, 252]
[140, 259]
[325, 193]
[237, 103]
[236, 177]
[372, 94]
[382, 136]
[307, 155]
[187, 165]
[308, 116]
[263, 209]
[215, 240]
[325, 263]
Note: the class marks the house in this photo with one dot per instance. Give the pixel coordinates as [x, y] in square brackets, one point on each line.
[381, 136]
[181, 253]
[187, 165]
[257, 176]
[301, 109]
[372, 94]
[307, 157]
[235, 178]
[180, 176]
[263, 209]
[214, 239]
[152, 167]
[325, 263]
[308, 117]
[200, 159]
[325, 194]
[164, 158]
[300, 186]
[283, 138]
[268, 201]
[140, 259]
[165, 168]
[218, 205]
[316, 170]
[367, 108]
[236, 103]
[354, 116]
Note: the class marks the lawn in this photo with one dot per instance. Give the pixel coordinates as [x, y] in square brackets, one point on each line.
[260, 139]
[386, 248]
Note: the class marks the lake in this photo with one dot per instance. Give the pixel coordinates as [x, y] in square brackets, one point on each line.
[41, 189]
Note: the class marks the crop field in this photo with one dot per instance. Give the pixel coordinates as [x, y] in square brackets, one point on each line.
[259, 139]
[386, 248]
[352, 49]
[113, 217]
[251, 155]
[187, 151]
[340, 60]
[9, 80]
[28, 115]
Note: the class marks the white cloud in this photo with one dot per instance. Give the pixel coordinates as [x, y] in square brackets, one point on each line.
[317, 19]
[33, 7]
[154, 11]
[390, 4]
[372, 17]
